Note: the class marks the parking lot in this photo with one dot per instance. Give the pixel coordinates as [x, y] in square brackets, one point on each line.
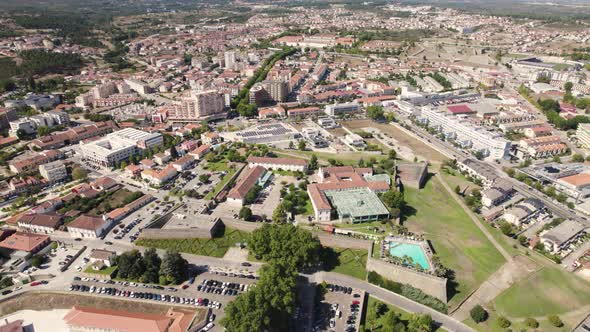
[340, 311]
[207, 290]
[129, 228]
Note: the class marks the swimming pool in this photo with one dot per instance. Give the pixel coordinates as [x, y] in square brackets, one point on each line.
[411, 250]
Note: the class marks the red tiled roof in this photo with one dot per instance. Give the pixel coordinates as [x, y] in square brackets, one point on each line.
[24, 241]
[87, 222]
[247, 181]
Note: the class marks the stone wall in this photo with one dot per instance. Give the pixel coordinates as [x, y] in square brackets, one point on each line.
[429, 284]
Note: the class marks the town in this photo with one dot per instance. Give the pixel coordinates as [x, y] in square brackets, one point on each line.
[274, 166]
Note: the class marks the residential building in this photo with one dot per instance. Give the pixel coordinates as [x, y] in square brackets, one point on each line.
[499, 192]
[285, 164]
[39, 223]
[31, 162]
[247, 180]
[523, 211]
[583, 135]
[88, 227]
[54, 171]
[27, 242]
[103, 256]
[558, 237]
[344, 108]
[200, 151]
[183, 163]
[119, 146]
[541, 147]
[200, 106]
[159, 177]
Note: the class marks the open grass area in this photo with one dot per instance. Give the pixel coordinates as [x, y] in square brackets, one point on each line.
[458, 179]
[352, 262]
[456, 239]
[368, 227]
[223, 182]
[547, 291]
[111, 202]
[346, 158]
[216, 247]
[491, 325]
[217, 166]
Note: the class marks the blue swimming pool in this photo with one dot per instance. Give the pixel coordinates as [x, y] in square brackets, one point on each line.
[411, 250]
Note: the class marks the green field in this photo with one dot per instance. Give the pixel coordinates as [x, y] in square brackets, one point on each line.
[348, 158]
[352, 262]
[547, 291]
[459, 243]
[491, 325]
[216, 247]
[223, 182]
[106, 271]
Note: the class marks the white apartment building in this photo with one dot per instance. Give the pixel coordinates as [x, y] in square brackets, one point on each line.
[200, 106]
[54, 171]
[583, 135]
[138, 86]
[469, 136]
[344, 108]
[88, 227]
[119, 146]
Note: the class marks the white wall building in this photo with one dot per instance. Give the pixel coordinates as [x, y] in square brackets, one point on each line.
[54, 171]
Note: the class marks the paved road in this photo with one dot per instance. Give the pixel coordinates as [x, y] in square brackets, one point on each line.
[448, 323]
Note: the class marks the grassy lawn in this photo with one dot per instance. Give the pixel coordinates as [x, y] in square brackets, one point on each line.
[106, 271]
[491, 325]
[547, 291]
[223, 182]
[371, 321]
[367, 227]
[459, 180]
[216, 247]
[347, 261]
[114, 200]
[347, 158]
[219, 166]
[308, 208]
[459, 243]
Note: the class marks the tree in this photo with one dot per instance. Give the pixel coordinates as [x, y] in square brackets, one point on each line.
[478, 314]
[37, 260]
[531, 322]
[457, 190]
[578, 158]
[152, 263]
[506, 228]
[555, 321]
[392, 154]
[42, 131]
[125, 262]
[393, 199]
[245, 213]
[204, 178]
[313, 162]
[173, 268]
[123, 165]
[301, 145]
[503, 322]
[79, 173]
[291, 145]
[173, 152]
[375, 113]
[420, 323]
[279, 215]
[568, 87]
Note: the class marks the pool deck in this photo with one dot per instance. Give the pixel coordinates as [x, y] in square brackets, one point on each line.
[402, 240]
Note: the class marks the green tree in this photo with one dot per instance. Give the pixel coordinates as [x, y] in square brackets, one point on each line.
[279, 215]
[531, 322]
[173, 268]
[555, 321]
[42, 131]
[478, 314]
[152, 263]
[301, 145]
[123, 165]
[568, 87]
[204, 178]
[393, 199]
[420, 323]
[173, 152]
[313, 162]
[578, 158]
[245, 213]
[457, 190]
[125, 264]
[37, 260]
[503, 322]
[375, 113]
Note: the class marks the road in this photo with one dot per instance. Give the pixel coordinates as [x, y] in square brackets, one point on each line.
[446, 322]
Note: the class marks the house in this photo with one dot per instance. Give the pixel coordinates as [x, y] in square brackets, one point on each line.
[497, 193]
[558, 237]
[210, 138]
[159, 177]
[105, 183]
[147, 163]
[248, 179]
[88, 226]
[27, 242]
[106, 257]
[39, 223]
[162, 158]
[286, 164]
[183, 163]
[523, 211]
[133, 170]
[201, 151]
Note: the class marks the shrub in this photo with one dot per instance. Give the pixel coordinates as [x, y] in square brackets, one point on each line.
[478, 314]
[531, 322]
[555, 321]
[503, 322]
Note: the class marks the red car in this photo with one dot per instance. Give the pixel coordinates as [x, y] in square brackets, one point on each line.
[185, 286]
[356, 302]
[36, 283]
